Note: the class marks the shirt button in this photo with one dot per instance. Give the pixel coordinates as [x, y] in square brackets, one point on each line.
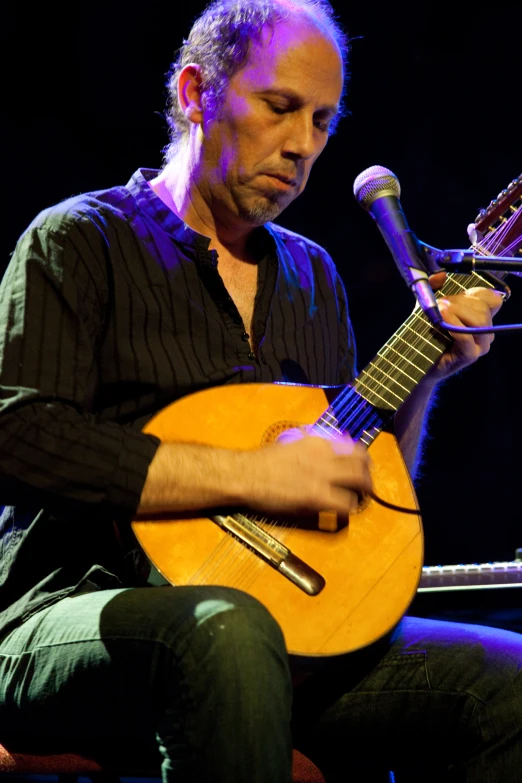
[251, 355]
[245, 336]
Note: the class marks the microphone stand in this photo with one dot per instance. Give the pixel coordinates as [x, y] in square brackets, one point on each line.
[467, 261]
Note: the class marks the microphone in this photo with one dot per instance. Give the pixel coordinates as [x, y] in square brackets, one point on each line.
[377, 190]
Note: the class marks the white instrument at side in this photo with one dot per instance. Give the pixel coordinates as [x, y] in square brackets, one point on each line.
[472, 576]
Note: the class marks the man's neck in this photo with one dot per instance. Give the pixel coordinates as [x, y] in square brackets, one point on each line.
[177, 188]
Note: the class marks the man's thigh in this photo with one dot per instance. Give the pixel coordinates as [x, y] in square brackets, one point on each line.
[441, 693]
[104, 664]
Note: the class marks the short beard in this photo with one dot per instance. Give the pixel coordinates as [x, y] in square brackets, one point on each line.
[261, 211]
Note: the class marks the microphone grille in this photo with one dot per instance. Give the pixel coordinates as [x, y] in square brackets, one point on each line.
[373, 183]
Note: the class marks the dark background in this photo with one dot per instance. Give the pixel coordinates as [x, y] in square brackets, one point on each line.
[433, 96]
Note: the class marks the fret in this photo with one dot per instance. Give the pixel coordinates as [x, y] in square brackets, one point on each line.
[419, 320]
[369, 432]
[389, 347]
[375, 374]
[411, 347]
[438, 338]
[329, 423]
[333, 422]
[374, 366]
[459, 286]
[396, 367]
[372, 393]
[368, 437]
[391, 400]
[424, 337]
[357, 416]
[328, 428]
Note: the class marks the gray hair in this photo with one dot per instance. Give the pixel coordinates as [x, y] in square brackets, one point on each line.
[219, 42]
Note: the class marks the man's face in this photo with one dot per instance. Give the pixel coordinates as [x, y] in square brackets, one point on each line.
[272, 126]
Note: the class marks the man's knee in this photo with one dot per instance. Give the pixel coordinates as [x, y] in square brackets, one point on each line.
[193, 617]
[239, 623]
[233, 645]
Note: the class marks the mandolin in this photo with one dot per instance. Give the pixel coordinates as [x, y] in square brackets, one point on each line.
[334, 585]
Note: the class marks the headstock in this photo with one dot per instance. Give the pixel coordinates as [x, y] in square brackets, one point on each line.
[497, 230]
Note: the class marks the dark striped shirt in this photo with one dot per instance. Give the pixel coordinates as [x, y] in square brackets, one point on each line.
[111, 308]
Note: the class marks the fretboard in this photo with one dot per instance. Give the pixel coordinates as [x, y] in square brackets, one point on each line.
[365, 406]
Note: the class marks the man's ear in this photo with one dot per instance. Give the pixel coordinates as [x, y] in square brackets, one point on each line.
[189, 93]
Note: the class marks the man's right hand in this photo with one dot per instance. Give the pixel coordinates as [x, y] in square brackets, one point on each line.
[304, 473]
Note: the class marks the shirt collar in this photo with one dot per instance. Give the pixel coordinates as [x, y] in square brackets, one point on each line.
[147, 201]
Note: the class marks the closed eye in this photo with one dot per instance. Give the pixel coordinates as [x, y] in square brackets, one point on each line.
[280, 109]
[322, 124]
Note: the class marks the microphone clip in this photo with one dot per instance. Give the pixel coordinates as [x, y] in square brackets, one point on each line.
[467, 262]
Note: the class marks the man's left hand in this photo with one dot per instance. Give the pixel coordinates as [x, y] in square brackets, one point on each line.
[474, 307]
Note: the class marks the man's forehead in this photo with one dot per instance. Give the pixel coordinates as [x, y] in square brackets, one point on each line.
[291, 39]
[290, 32]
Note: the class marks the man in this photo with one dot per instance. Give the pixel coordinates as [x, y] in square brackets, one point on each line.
[114, 304]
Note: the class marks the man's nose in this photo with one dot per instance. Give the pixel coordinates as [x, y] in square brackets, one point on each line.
[301, 141]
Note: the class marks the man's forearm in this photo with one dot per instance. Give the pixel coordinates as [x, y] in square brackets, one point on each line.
[301, 475]
[186, 476]
[410, 423]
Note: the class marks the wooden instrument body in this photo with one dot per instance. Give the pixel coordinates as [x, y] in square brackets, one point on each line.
[372, 566]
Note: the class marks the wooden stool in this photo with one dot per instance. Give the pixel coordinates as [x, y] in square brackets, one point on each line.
[72, 766]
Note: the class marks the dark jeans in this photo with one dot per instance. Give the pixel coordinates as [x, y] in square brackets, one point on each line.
[201, 673]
